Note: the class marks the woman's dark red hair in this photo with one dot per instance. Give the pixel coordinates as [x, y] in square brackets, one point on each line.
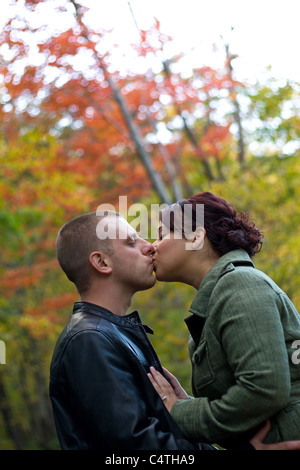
[226, 229]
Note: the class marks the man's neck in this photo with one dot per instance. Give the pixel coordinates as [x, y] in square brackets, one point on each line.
[114, 301]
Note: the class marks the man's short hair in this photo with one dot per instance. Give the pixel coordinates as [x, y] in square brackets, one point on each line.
[76, 240]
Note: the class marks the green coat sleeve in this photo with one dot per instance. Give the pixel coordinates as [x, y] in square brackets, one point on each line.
[245, 319]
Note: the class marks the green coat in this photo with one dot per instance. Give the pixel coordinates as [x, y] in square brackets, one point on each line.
[242, 327]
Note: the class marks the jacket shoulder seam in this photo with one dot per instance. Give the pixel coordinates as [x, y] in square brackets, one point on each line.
[84, 330]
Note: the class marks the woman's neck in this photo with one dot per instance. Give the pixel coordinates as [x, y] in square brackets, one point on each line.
[200, 264]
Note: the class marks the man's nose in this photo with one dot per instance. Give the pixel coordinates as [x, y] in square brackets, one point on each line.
[148, 248]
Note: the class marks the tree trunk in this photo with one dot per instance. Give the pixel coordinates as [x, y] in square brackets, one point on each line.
[190, 134]
[134, 133]
[155, 178]
[237, 110]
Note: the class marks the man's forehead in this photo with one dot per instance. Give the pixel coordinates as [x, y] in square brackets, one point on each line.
[114, 227]
[124, 229]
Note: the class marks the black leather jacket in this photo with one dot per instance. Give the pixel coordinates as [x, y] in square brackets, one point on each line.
[101, 395]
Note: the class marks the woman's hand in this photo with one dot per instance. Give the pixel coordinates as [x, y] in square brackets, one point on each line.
[179, 391]
[257, 441]
[170, 392]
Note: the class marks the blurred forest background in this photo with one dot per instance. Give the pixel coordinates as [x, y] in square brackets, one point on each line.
[75, 132]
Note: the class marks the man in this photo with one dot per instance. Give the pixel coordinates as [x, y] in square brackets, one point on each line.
[101, 395]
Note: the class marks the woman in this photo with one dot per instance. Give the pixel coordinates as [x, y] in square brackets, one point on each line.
[242, 328]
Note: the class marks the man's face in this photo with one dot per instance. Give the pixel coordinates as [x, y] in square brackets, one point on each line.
[132, 258]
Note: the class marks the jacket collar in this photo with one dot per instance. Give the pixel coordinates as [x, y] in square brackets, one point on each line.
[130, 320]
[224, 265]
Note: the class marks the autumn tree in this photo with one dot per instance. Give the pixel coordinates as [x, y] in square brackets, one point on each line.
[274, 104]
[37, 195]
[77, 131]
[84, 103]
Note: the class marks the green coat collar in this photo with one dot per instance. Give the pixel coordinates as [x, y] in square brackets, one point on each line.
[224, 265]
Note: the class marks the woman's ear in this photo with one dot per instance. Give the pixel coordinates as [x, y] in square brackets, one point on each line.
[199, 236]
[101, 262]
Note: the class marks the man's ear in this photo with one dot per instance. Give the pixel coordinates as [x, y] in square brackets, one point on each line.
[101, 262]
[199, 236]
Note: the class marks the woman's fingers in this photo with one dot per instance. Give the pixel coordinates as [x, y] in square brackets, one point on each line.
[257, 441]
[179, 391]
[172, 379]
[163, 388]
[161, 383]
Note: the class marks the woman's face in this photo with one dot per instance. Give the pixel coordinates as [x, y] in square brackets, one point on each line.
[170, 256]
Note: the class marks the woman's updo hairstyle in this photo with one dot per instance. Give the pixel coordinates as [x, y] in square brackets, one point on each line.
[226, 229]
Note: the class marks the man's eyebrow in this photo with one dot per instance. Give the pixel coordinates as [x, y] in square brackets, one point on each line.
[132, 236]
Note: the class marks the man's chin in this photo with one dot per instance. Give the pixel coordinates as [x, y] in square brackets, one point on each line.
[153, 281]
[149, 284]
[144, 283]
